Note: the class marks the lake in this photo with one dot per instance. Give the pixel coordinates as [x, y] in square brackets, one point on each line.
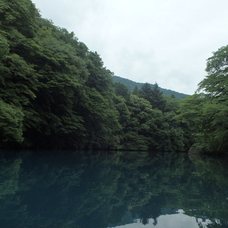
[76, 189]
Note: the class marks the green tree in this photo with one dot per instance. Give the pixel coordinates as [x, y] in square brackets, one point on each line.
[4, 47]
[122, 90]
[153, 95]
[52, 79]
[18, 17]
[136, 91]
[122, 108]
[55, 93]
[215, 112]
[215, 84]
[100, 120]
[137, 126]
[158, 100]
[146, 92]
[99, 77]
[11, 124]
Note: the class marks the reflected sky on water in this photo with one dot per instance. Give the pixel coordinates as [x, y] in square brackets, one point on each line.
[179, 220]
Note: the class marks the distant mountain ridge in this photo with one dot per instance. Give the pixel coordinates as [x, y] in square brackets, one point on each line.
[131, 85]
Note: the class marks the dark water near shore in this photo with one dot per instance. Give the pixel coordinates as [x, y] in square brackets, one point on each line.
[75, 189]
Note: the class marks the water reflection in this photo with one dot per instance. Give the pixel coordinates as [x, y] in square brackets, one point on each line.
[177, 220]
[130, 189]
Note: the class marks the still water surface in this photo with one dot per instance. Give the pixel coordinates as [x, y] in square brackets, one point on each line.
[75, 189]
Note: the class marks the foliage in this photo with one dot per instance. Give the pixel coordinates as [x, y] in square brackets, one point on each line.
[121, 90]
[216, 82]
[153, 95]
[11, 123]
[206, 112]
[56, 93]
[131, 86]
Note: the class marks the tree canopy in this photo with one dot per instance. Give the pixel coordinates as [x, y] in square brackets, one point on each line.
[56, 93]
[206, 111]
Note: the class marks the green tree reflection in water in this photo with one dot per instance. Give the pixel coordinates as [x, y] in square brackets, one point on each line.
[78, 189]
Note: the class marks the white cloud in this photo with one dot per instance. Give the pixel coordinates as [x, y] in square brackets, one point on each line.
[165, 41]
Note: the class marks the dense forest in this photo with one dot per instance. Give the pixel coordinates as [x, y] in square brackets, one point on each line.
[131, 86]
[56, 93]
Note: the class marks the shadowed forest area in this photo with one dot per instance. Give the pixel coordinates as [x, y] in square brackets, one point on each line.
[56, 94]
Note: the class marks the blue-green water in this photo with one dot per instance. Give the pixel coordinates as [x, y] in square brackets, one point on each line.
[75, 189]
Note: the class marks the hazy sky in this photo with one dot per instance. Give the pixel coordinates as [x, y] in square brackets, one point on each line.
[163, 41]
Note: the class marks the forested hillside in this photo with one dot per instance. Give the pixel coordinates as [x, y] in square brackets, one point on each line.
[207, 110]
[131, 86]
[56, 93]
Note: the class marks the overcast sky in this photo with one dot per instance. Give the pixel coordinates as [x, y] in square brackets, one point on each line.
[163, 41]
